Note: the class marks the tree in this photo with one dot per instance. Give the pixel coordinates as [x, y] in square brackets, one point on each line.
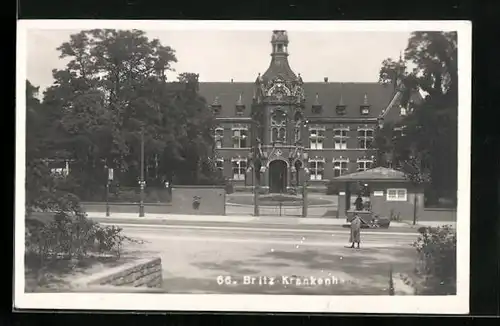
[114, 88]
[431, 126]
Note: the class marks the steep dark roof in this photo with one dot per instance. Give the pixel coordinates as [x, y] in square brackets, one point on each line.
[379, 96]
[279, 66]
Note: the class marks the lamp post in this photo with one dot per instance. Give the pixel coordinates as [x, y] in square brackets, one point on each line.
[108, 181]
[142, 183]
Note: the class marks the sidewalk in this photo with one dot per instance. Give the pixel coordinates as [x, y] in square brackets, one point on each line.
[248, 219]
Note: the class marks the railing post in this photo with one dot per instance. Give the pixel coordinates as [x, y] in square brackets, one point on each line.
[256, 200]
[304, 198]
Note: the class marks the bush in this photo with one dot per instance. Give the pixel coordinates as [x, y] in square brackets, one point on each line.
[436, 264]
[70, 236]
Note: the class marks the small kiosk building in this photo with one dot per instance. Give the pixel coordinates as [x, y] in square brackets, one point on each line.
[389, 194]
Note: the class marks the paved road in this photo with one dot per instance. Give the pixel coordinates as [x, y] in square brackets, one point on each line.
[280, 224]
[197, 259]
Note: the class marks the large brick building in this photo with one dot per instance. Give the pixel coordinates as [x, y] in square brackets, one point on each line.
[327, 127]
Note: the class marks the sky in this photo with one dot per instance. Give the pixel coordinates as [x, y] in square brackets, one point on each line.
[222, 55]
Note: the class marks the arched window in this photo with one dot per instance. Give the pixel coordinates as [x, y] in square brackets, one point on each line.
[219, 137]
[340, 166]
[239, 168]
[316, 168]
[278, 126]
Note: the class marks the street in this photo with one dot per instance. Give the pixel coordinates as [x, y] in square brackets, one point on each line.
[274, 260]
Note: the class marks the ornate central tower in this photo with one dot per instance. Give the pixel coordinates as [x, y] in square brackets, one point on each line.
[278, 111]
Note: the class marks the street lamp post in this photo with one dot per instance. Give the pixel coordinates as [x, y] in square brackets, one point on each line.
[108, 181]
[142, 183]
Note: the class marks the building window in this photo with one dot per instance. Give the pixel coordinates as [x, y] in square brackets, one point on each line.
[278, 126]
[399, 132]
[340, 137]
[240, 135]
[340, 166]
[365, 138]
[396, 194]
[59, 168]
[219, 137]
[364, 164]
[239, 168]
[219, 163]
[403, 111]
[316, 168]
[316, 137]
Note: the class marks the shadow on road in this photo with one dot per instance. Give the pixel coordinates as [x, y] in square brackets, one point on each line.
[358, 272]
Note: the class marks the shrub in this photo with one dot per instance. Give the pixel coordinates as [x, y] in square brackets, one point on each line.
[70, 236]
[436, 263]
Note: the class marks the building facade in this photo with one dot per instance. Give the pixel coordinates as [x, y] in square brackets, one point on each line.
[323, 128]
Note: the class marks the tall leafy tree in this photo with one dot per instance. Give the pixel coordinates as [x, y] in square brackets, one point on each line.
[431, 126]
[113, 93]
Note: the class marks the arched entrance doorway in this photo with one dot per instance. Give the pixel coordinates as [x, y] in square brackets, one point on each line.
[277, 176]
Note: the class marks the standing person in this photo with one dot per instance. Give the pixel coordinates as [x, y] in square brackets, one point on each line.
[355, 237]
[359, 203]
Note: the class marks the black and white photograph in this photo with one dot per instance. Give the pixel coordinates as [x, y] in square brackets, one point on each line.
[266, 166]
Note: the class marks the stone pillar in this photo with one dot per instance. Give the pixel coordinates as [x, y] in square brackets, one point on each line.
[265, 178]
[341, 207]
[289, 182]
[304, 194]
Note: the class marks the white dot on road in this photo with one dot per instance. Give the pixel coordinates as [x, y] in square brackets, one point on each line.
[297, 246]
[303, 238]
[272, 250]
[341, 257]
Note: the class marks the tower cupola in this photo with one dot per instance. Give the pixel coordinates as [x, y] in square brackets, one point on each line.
[279, 66]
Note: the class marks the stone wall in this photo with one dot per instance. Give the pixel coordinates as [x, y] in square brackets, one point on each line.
[198, 200]
[140, 273]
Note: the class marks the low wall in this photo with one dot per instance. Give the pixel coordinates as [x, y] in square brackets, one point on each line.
[140, 273]
[437, 214]
[199, 200]
[126, 207]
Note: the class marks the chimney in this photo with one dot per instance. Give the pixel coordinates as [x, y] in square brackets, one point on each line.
[326, 79]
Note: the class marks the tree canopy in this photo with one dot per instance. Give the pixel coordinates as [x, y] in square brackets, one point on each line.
[430, 133]
[113, 90]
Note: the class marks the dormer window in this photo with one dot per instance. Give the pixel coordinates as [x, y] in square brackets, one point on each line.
[365, 110]
[340, 109]
[316, 106]
[216, 106]
[365, 107]
[240, 106]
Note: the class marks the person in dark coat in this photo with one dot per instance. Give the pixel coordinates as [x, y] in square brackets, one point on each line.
[355, 237]
[359, 203]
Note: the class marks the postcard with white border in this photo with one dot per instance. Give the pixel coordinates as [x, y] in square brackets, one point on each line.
[251, 166]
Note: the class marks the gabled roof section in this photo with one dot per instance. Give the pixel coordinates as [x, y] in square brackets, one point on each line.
[376, 174]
